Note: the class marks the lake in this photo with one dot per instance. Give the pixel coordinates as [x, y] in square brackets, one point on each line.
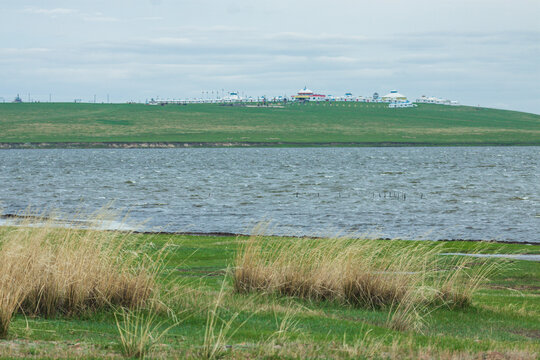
[490, 193]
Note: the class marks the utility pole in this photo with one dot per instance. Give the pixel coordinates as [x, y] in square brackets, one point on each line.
[94, 98]
[107, 98]
[50, 97]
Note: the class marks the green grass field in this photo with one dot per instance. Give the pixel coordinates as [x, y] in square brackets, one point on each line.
[502, 323]
[295, 124]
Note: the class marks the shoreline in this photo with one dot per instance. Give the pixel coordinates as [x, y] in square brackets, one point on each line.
[228, 234]
[232, 234]
[237, 144]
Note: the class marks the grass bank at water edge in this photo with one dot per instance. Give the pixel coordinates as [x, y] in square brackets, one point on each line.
[98, 294]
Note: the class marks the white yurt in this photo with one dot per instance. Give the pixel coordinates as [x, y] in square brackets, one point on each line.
[394, 96]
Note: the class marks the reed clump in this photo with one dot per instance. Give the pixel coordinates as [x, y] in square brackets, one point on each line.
[14, 265]
[47, 270]
[361, 273]
[140, 330]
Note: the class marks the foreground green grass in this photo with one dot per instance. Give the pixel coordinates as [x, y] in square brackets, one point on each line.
[311, 124]
[503, 319]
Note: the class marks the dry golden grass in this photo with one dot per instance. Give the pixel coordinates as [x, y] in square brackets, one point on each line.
[46, 270]
[14, 265]
[140, 330]
[371, 274]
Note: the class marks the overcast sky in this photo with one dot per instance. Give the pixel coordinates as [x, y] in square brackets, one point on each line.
[484, 52]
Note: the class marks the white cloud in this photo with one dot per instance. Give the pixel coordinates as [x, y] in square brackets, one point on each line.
[170, 41]
[337, 59]
[100, 18]
[148, 18]
[23, 51]
[50, 12]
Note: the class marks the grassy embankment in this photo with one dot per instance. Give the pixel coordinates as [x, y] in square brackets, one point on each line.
[232, 298]
[295, 124]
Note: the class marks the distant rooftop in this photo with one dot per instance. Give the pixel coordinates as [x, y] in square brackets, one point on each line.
[305, 90]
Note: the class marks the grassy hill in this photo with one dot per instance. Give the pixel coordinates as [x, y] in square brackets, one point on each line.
[310, 124]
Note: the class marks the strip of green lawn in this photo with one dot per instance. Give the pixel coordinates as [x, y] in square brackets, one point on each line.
[504, 317]
[295, 124]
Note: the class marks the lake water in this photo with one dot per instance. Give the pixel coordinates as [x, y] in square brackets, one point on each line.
[412, 193]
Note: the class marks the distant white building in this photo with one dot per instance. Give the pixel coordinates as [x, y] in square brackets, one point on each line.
[401, 104]
[435, 100]
[427, 100]
[232, 97]
[394, 96]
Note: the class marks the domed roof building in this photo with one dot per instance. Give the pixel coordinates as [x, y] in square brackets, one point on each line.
[394, 96]
[305, 91]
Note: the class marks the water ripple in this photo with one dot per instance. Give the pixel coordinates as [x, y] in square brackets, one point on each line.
[434, 193]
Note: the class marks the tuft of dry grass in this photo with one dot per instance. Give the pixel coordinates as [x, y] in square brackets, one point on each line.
[360, 273]
[140, 330]
[14, 265]
[218, 331]
[47, 270]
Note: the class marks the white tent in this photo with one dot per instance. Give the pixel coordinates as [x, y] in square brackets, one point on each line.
[394, 96]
